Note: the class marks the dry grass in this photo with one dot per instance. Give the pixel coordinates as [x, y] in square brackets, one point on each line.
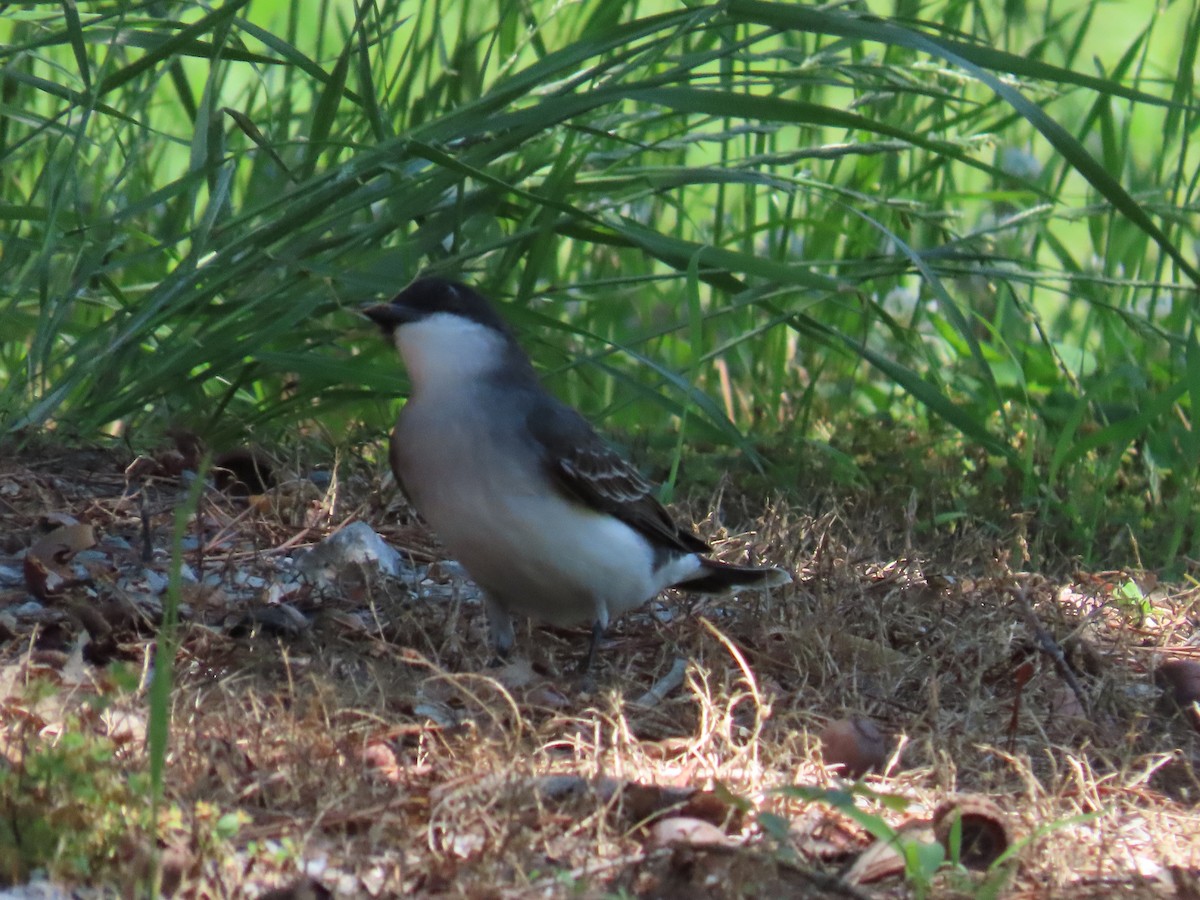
[375, 753]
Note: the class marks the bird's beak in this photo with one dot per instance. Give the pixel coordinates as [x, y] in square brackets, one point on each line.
[390, 316]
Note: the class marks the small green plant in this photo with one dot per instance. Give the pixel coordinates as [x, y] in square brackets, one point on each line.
[1130, 599]
[66, 802]
[77, 803]
[159, 726]
[923, 858]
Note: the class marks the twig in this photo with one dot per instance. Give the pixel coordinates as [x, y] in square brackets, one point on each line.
[1048, 645]
[147, 540]
[669, 682]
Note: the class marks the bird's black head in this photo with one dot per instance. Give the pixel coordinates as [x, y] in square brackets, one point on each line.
[426, 297]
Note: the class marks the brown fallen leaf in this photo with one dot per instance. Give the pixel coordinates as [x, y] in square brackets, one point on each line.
[296, 502]
[380, 762]
[64, 542]
[883, 858]
[819, 835]
[46, 570]
[515, 674]
[643, 802]
[850, 650]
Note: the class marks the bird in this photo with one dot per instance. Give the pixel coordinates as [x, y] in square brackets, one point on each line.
[544, 515]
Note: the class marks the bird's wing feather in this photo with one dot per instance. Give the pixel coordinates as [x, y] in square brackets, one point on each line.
[589, 471]
[394, 448]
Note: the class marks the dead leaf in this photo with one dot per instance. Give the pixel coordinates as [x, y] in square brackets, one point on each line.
[46, 570]
[514, 675]
[643, 802]
[883, 858]
[64, 542]
[380, 762]
[851, 650]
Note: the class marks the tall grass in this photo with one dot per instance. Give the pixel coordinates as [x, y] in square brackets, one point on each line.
[746, 217]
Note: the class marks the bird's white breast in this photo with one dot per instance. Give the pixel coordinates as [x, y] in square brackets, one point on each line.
[473, 475]
[444, 351]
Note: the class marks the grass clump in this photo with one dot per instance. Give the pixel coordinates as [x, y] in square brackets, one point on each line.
[740, 217]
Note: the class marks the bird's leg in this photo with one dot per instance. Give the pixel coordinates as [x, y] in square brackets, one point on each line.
[598, 630]
[500, 628]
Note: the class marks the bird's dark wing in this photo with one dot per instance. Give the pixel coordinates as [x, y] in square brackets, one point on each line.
[394, 460]
[588, 470]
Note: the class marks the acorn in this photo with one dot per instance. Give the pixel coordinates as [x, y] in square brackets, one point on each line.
[1180, 678]
[853, 746]
[984, 835]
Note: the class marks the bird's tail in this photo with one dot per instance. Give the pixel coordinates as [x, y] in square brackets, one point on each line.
[716, 577]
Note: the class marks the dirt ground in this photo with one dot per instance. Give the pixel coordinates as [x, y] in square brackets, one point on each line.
[339, 732]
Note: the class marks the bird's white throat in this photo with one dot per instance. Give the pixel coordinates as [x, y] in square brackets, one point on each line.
[443, 349]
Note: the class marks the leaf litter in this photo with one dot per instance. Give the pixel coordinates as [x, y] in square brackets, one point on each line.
[337, 729]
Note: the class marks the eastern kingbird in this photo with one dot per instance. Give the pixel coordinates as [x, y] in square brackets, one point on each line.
[546, 518]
